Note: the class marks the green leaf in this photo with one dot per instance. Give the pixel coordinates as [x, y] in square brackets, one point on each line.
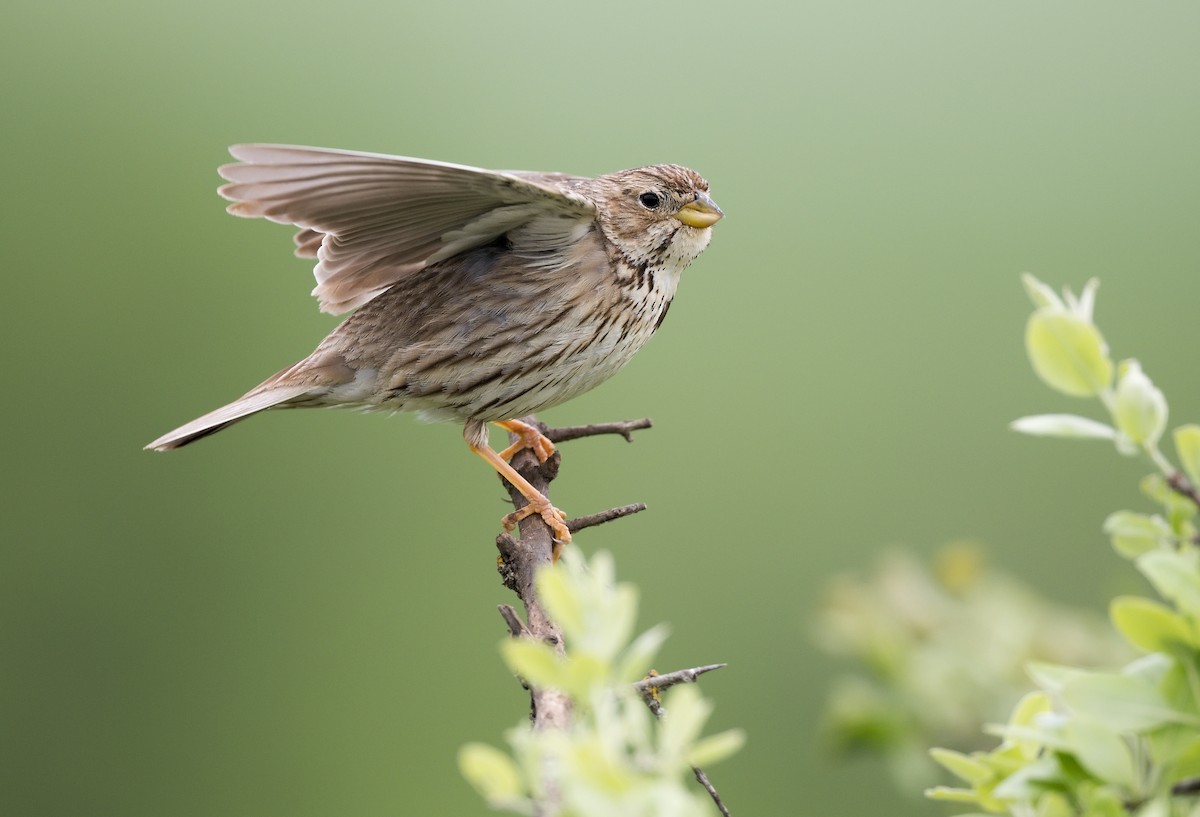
[582, 671]
[1052, 677]
[952, 794]
[1121, 703]
[1148, 625]
[1103, 801]
[1134, 533]
[1027, 782]
[1176, 750]
[962, 766]
[537, 663]
[560, 599]
[636, 660]
[1101, 751]
[1029, 740]
[491, 772]
[1063, 425]
[1025, 714]
[1158, 807]
[1176, 576]
[1054, 804]
[1068, 353]
[1139, 409]
[1154, 669]
[715, 748]
[1187, 446]
[1041, 294]
[686, 713]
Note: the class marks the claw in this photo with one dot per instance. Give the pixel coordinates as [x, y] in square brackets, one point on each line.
[536, 501]
[551, 515]
[530, 438]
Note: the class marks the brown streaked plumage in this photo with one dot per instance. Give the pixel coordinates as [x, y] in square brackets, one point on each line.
[480, 295]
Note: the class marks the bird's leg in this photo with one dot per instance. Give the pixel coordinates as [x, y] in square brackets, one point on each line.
[530, 438]
[538, 503]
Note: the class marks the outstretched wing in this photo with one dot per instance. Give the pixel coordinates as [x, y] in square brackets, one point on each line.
[371, 219]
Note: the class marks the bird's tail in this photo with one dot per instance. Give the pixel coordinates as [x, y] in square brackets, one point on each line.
[251, 403]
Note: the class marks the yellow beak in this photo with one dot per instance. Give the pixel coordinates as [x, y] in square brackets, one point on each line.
[703, 212]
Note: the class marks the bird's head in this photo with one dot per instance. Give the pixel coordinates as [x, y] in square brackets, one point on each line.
[660, 213]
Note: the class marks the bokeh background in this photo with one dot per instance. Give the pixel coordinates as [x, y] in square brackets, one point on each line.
[297, 617]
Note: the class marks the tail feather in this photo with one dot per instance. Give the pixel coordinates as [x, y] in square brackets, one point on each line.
[214, 421]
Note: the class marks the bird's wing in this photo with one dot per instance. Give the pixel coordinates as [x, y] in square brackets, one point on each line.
[371, 219]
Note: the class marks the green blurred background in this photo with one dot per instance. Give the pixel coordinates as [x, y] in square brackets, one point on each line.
[297, 617]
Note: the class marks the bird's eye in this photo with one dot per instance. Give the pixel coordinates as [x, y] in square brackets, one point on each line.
[650, 200]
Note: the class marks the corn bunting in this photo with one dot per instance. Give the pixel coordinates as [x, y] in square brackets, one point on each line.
[479, 296]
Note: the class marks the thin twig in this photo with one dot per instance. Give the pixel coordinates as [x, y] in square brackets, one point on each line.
[650, 687]
[625, 428]
[1182, 486]
[1188, 786]
[702, 778]
[515, 625]
[593, 519]
[683, 676]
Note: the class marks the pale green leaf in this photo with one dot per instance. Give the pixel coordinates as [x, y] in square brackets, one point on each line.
[1041, 294]
[1174, 575]
[1148, 625]
[1121, 703]
[1052, 677]
[1103, 801]
[636, 660]
[535, 662]
[1027, 782]
[963, 766]
[491, 772]
[952, 794]
[1025, 714]
[1153, 669]
[1158, 807]
[1133, 534]
[1068, 353]
[715, 748]
[686, 713]
[1140, 410]
[1101, 751]
[1054, 804]
[1030, 740]
[610, 632]
[561, 600]
[1187, 446]
[1156, 488]
[581, 672]
[1085, 305]
[1063, 425]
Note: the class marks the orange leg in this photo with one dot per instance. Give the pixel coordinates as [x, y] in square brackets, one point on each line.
[538, 503]
[530, 438]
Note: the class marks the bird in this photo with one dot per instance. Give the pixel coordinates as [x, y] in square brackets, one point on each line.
[475, 296]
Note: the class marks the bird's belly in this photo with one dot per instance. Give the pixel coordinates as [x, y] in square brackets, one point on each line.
[566, 359]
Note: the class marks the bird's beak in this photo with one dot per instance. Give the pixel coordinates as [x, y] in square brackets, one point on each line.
[703, 212]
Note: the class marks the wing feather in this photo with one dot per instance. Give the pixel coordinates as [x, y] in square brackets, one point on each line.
[371, 219]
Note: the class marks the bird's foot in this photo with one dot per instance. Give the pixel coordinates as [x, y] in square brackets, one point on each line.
[552, 516]
[530, 438]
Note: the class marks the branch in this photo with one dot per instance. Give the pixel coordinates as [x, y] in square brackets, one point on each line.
[655, 682]
[625, 428]
[1180, 485]
[650, 686]
[515, 625]
[1188, 786]
[581, 522]
[520, 559]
